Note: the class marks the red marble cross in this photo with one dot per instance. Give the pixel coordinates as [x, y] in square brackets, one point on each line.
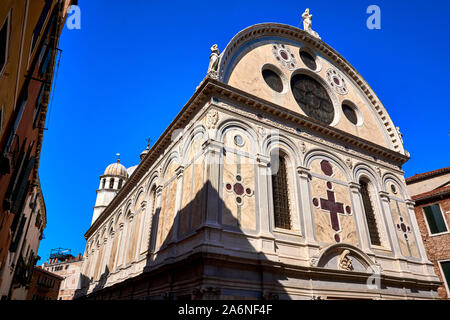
[334, 207]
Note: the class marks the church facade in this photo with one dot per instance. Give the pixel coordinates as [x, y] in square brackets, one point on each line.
[281, 178]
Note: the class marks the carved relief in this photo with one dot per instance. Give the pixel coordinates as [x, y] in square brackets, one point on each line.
[345, 262]
[211, 119]
[349, 163]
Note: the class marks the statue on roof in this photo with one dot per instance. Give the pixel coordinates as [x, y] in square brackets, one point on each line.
[213, 61]
[307, 23]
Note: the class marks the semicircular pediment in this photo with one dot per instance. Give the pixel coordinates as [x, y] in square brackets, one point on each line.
[286, 66]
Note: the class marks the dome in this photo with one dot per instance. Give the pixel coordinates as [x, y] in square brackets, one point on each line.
[130, 170]
[116, 169]
[143, 154]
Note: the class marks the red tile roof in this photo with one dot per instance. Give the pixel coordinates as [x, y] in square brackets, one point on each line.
[439, 192]
[427, 175]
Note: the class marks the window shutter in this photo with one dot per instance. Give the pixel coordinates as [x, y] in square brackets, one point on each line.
[19, 200]
[17, 235]
[435, 220]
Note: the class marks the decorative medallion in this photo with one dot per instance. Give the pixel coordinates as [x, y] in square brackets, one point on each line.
[326, 168]
[284, 56]
[336, 81]
[239, 190]
[401, 226]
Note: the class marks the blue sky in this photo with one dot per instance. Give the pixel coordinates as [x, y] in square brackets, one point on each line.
[134, 64]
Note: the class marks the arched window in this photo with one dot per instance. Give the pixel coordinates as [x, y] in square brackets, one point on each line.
[370, 213]
[280, 196]
[103, 183]
[111, 183]
[120, 184]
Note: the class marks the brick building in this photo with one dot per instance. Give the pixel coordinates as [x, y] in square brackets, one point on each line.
[44, 285]
[29, 36]
[431, 193]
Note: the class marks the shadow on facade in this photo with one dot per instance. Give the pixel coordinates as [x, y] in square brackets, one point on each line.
[209, 269]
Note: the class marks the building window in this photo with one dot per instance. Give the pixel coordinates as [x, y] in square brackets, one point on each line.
[45, 62]
[120, 184]
[273, 80]
[280, 196]
[103, 183]
[111, 183]
[370, 213]
[1, 119]
[445, 269]
[312, 98]
[38, 107]
[4, 44]
[435, 220]
[40, 24]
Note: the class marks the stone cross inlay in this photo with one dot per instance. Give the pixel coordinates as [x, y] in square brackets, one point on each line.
[334, 207]
[330, 204]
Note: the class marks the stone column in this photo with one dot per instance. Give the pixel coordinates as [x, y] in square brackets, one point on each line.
[263, 173]
[154, 221]
[121, 258]
[384, 197]
[306, 204]
[213, 151]
[144, 227]
[179, 172]
[119, 244]
[105, 256]
[358, 211]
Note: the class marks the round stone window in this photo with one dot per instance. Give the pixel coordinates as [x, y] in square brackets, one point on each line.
[308, 60]
[273, 80]
[312, 98]
[350, 113]
[394, 189]
[238, 140]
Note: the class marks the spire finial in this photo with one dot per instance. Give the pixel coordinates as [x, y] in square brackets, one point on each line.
[118, 157]
[148, 142]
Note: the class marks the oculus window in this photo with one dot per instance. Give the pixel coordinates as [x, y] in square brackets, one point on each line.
[273, 80]
[308, 60]
[350, 113]
[312, 98]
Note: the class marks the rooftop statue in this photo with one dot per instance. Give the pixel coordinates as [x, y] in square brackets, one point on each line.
[307, 23]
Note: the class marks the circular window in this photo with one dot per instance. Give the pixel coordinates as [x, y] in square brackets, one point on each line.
[312, 98]
[238, 140]
[273, 80]
[308, 60]
[394, 189]
[350, 113]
